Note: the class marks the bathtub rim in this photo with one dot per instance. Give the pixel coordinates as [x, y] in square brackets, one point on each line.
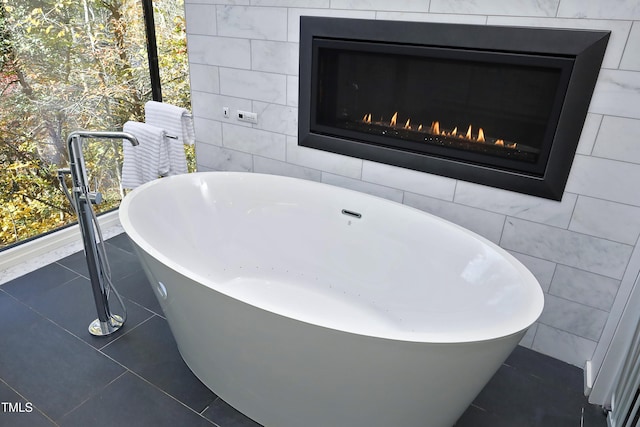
[537, 294]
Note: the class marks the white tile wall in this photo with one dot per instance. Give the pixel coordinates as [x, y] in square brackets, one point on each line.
[268, 23]
[244, 55]
[584, 287]
[617, 93]
[631, 58]
[618, 139]
[607, 9]
[485, 223]
[566, 247]
[496, 7]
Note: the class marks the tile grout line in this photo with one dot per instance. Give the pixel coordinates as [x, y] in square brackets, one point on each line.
[168, 394]
[127, 370]
[23, 397]
[94, 393]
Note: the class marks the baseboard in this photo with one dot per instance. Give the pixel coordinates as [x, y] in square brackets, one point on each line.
[35, 253]
[588, 378]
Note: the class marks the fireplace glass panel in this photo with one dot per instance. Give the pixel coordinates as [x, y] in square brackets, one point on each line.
[484, 107]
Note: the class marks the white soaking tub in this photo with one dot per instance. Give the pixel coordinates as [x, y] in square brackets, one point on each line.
[303, 304]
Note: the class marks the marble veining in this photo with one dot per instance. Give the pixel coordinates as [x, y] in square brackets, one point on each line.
[612, 9]
[267, 87]
[541, 268]
[276, 118]
[515, 204]
[496, 7]
[364, 187]
[631, 57]
[617, 93]
[254, 141]
[586, 288]
[618, 139]
[323, 160]
[595, 255]
[609, 220]
[416, 182]
[581, 320]
[396, 5]
[268, 23]
[485, 223]
[274, 57]
[563, 345]
[222, 159]
[212, 50]
[605, 179]
[275, 167]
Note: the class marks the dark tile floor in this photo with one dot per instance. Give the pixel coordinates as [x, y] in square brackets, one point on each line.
[52, 372]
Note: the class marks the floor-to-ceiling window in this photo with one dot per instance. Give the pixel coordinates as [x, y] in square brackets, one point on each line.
[67, 65]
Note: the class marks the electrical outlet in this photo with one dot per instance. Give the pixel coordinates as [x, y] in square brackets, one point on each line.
[247, 116]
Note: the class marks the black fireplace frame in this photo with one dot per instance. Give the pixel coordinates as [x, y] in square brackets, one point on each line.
[584, 47]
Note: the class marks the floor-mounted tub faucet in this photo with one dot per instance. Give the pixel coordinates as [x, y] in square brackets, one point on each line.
[82, 198]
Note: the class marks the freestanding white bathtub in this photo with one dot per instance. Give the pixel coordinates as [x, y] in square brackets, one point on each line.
[303, 304]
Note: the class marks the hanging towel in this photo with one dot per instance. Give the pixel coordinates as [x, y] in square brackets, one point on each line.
[177, 157]
[146, 161]
[177, 121]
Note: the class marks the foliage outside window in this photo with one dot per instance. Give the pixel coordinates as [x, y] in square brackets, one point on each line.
[68, 65]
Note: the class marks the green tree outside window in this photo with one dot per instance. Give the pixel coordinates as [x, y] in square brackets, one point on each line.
[67, 65]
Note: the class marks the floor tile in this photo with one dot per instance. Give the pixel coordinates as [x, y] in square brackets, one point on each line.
[123, 242]
[14, 315]
[476, 417]
[18, 412]
[151, 352]
[547, 369]
[593, 416]
[72, 306]
[122, 263]
[136, 287]
[53, 369]
[520, 398]
[224, 415]
[131, 401]
[39, 281]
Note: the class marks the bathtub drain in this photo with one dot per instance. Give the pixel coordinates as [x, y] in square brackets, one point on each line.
[351, 213]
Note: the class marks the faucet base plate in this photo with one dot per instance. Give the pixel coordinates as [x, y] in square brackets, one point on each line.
[101, 329]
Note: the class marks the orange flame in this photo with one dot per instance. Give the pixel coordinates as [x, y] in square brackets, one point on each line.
[435, 128]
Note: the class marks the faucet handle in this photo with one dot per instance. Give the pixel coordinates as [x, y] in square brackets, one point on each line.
[95, 197]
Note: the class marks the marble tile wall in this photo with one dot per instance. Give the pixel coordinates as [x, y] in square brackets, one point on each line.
[244, 54]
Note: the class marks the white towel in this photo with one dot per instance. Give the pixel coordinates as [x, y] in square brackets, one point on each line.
[146, 161]
[177, 157]
[177, 121]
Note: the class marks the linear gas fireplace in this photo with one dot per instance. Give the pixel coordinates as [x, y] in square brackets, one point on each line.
[501, 106]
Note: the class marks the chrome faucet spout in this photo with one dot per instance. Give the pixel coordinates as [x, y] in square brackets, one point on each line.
[102, 134]
[95, 253]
